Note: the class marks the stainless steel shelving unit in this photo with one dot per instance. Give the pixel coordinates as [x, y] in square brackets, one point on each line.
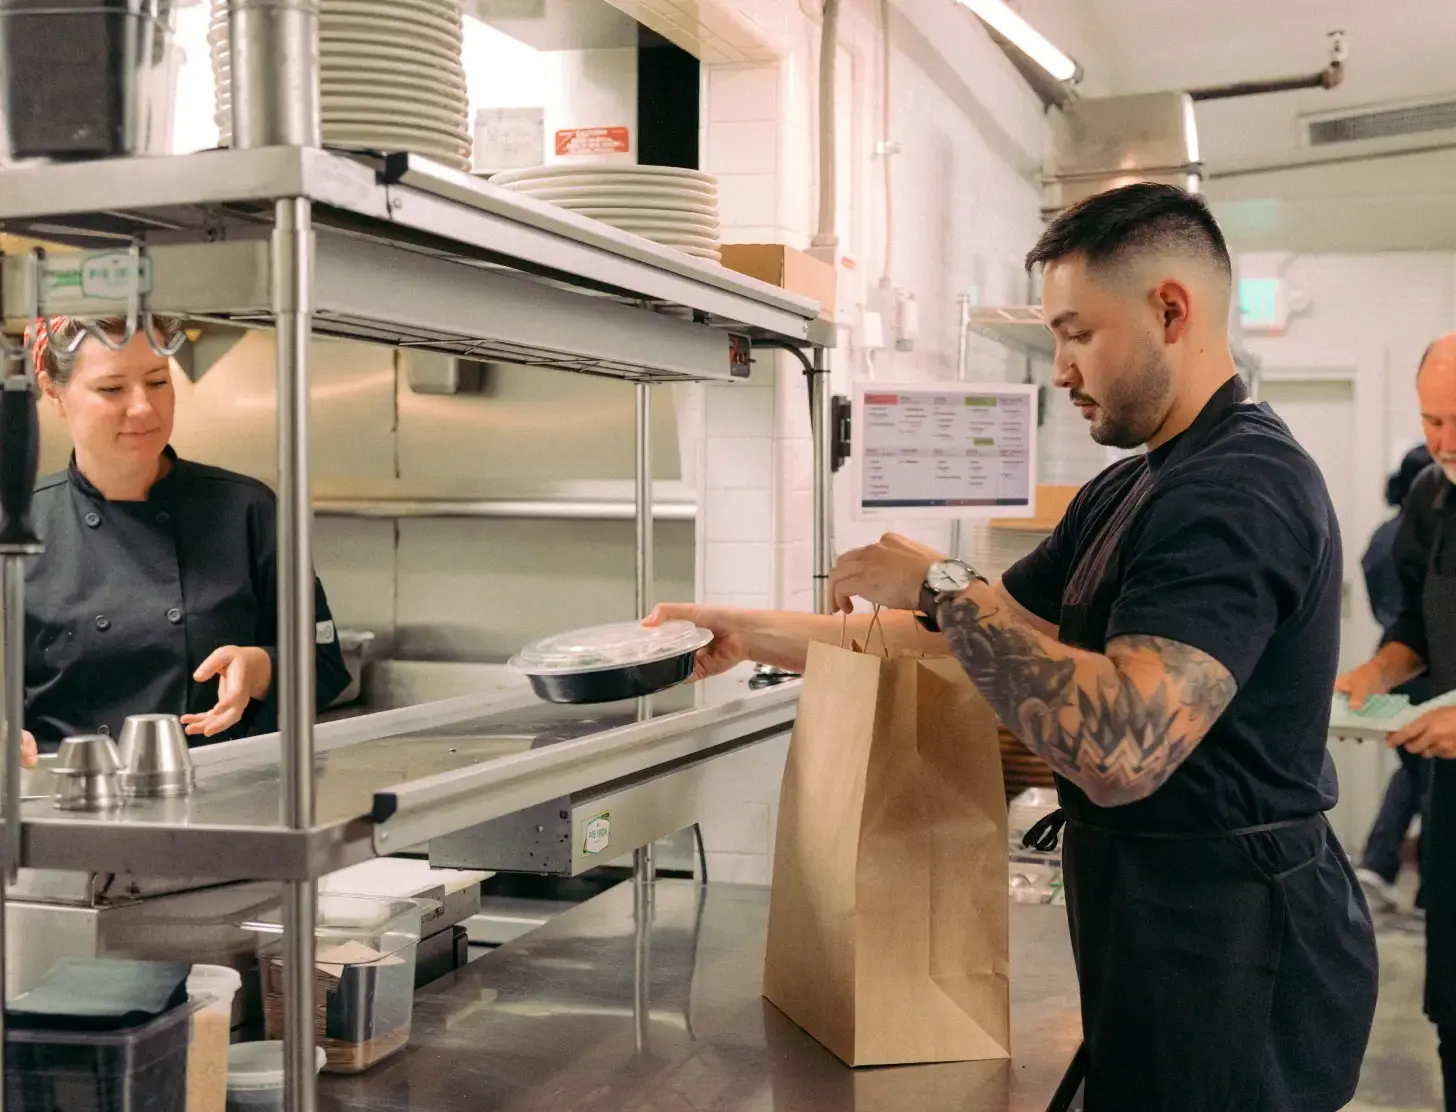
[282, 234]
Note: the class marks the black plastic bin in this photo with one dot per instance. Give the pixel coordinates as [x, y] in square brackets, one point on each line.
[140, 1069]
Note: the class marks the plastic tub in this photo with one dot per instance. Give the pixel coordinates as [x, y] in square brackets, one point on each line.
[211, 988]
[365, 981]
[85, 78]
[255, 1076]
[142, 1069]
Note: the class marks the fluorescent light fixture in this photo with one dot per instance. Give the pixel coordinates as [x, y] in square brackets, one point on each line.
[1022, 35]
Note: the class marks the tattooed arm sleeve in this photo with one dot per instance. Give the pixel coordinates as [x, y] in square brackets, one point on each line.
[1116, 725]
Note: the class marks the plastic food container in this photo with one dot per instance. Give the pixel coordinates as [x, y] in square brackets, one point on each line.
[211, 988]
[85, 78]
[605, 664]
[142, 1069]
[364, 987]
[255, 1076]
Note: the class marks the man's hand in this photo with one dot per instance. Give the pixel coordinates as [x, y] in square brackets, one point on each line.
[29, 751]
[724, 652]
[1392, 666]
[1362, 682]
[888, 574]
[1433, 734]
[244, 673]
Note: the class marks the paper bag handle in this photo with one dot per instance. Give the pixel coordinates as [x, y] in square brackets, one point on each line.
[875, 624]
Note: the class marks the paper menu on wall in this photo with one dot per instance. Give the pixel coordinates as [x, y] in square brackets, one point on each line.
[943, 450]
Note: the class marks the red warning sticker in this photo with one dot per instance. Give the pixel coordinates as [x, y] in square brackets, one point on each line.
[594, 140]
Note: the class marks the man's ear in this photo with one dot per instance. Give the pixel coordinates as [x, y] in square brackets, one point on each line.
[1172, 302]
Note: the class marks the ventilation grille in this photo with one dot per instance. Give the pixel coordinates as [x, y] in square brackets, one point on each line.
[1384, 123]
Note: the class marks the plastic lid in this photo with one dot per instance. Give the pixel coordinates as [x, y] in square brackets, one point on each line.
[259, 1065]
[216, 981]
[609, 646]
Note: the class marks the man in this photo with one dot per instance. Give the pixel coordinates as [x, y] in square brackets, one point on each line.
[1422, 641]
[1170, 651]
[1406, 792]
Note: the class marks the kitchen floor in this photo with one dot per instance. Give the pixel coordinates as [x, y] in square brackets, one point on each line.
[1401, 1072]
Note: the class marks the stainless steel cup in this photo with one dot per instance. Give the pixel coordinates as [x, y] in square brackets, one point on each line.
[155, 759]
[87, 774]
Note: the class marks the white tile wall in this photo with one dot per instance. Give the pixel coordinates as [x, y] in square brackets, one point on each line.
[740, 462]
[747, 147]
[738, 569]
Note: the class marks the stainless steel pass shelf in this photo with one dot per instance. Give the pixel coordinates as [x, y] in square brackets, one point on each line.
[393, 781]
[406, 253]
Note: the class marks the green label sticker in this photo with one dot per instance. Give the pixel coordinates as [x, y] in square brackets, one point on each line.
[598, 833]
[106, 276]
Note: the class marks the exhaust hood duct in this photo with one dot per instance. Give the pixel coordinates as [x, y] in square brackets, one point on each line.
[1101, 143]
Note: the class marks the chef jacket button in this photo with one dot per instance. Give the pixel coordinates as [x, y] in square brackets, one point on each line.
[163, 518]
[174, 616]
[92, 519]
[103, 623]
[104, 730]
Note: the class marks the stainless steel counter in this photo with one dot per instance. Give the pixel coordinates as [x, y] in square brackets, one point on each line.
[547, 1024]
[394, 780]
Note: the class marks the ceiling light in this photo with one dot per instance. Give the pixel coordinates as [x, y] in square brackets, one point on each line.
[1026, 38]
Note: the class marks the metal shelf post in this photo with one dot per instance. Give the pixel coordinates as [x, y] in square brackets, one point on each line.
[292, 295]
[821, 399]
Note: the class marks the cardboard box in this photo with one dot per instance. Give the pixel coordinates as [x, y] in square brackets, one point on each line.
[1051, 503]
[786, 268]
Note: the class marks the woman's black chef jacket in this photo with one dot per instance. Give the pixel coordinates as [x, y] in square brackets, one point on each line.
[130, 597]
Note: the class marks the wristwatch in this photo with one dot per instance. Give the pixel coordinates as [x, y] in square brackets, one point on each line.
[945, 580]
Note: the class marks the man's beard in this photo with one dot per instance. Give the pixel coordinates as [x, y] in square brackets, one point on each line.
[1449, 467]
[1133, 407]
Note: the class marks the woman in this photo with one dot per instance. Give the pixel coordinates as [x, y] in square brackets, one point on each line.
[158, 589]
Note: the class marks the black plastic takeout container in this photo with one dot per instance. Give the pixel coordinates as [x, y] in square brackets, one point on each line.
[582, 666]
[611, 685]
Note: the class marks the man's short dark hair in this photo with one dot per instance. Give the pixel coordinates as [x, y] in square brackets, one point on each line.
[1146, 217]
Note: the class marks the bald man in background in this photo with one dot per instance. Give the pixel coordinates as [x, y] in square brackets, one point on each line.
[1422, 641]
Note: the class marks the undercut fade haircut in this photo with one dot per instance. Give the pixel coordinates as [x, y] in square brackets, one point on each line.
[1146, 218]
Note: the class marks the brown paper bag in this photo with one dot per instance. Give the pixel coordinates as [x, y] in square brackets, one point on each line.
[887, 935]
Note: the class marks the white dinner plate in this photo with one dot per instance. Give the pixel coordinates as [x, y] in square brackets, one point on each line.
[653, 218]
[393, 93]
[393, 139]
[338, 105]
[378, 72]
[598, 199]
[416, 38]
[446, 131]
[615, 181]
[355, 53]
[397, 26]
[393, 11]
[570, 170]
[669, 239]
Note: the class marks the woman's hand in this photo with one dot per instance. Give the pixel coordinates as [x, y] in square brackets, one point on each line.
[29, 751]
[724, 652]
[243, 673]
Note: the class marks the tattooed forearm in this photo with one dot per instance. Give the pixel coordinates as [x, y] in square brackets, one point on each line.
[1116, 725]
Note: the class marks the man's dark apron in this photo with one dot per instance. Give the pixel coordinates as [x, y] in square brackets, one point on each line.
[1177, 936]
[1438, 842]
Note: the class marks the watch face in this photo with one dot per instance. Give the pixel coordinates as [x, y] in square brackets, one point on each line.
[949, 575]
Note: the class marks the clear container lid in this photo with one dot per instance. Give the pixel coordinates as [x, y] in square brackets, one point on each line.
[610, 646]
[384, 925]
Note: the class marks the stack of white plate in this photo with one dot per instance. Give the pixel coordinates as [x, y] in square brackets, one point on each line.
[390, 77]
[671, 206]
